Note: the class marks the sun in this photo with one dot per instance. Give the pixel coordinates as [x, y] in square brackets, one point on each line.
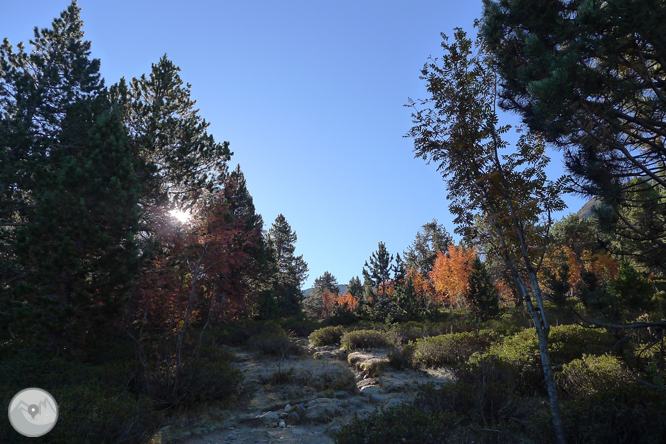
[181, 216]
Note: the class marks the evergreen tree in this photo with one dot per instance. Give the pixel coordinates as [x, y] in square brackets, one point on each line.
[36, 90]
[313, 303]
[72, 203]
[291, 270]
[589, 76]
[482, 293]
[326, 281]
[430, 239]
[181, 160]
[355, 288]
[378, 272]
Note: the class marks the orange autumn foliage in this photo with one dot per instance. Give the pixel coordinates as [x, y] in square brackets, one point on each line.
[602, 265]
[332, 300]
[422, 283]
[450, 275]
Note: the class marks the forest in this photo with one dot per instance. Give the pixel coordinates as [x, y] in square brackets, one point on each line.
[549, 329]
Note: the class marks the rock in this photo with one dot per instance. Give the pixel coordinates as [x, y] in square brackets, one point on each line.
[366, 382]
[266, 419]
[317, 414]
[283, 415]
[341, 395]
[300, 409]
[292, 419]
[287, 407]
[298, 431]
[282, 424]
[232, 437]
[369, 390]
[187, 433]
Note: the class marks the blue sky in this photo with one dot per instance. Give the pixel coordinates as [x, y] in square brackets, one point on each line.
[310, 95]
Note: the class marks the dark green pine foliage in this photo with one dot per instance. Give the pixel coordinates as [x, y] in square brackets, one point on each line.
[291, 271]
[431, 238]
[260, 265]
[71, 232]
[313, 303]
[355, 288]
[590, 76]
[482, 294]
[36, 89]
[326, 282]
[180, 159]
[381, 267]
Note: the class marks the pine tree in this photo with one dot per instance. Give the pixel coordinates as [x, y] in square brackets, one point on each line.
[482, 294]
[181, 160]
[291, 270]
[378, 272]
[589, 76]
[355, 288]
[71, 207]
[431, 238]
[313, 303]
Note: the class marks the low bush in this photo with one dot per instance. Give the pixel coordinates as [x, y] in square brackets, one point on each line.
[327, 336]
[520, 353]
[631, 413]
[411, 331]
[300, 325]
[358, 339]
[319, 375]
[92, 406]
[484, 398]
[401, 357]
[594, 374]
[207, 377]
[277, 343]
[239, 332]
[400, 424]
[451, 349]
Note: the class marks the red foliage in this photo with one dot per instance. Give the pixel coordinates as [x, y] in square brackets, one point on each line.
[198, 269]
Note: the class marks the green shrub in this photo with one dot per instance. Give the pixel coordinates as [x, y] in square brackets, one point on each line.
[93, 407]
[631, 413]
[358, 339]
[412, 330]
[327, 336]
[276, 343]
[451, 349]
[400, 424]
[401, 357]
[520, 353]
[239, 332]
[321, 377]
[593, 374]
[300, 325]
[207, 377]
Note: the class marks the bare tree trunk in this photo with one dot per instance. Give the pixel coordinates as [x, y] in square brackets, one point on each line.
[542, 330]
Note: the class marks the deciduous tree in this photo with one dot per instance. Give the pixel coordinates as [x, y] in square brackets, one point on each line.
[451, 273]
[457, 128]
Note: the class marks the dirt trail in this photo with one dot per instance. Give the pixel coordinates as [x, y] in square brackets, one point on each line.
[304, 400]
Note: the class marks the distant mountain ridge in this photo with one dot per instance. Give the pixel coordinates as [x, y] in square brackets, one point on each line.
[342, 288]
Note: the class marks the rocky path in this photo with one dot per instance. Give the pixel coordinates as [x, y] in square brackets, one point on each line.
[305, 399]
